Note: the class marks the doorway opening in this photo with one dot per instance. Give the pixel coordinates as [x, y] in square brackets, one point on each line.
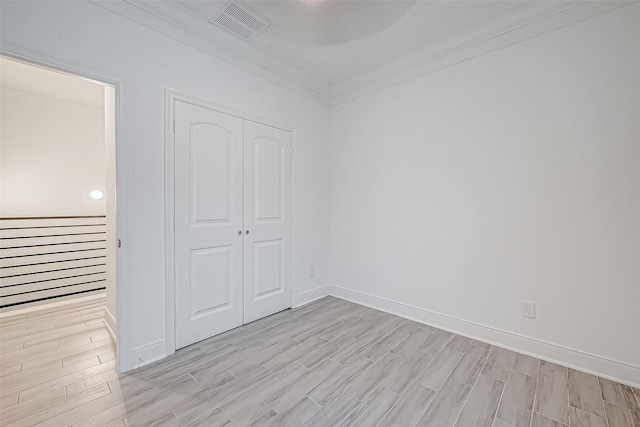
[58, 234]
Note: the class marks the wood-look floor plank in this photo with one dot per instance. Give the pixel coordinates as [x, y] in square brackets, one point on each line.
[552, 394]
[580, 418]
[459, 343]
[376, 375]
[525, 365]
[621, 416]
[542, 421]
[328, 363]
[334, 411]
[619, 394]
[283, 401]
[437, 341]
[205, 416]
[26, 380]
[8, 400]
[412, 344]
[584, 393]
[516, 405]
[409, 408]
[293, 354]
[53, 380]
[261, 390]
[440, 368]
[370, 412]
[482, 404]
[343, 377]
[470, 365]
[296, 415]
[44, 415]
[342, 328]
[498, 363]
[326, 350]
[447, 405]
[409, 372]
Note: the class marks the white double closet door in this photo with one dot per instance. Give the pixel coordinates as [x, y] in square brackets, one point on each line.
[232, 222]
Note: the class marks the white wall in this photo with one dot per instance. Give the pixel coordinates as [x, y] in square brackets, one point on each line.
[87, 34]
[513, 176]
[52, 156]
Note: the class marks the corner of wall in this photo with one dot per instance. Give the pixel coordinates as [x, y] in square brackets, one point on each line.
[309, 296]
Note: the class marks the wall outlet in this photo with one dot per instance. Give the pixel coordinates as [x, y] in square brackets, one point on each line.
[312, 272]
[529, 309]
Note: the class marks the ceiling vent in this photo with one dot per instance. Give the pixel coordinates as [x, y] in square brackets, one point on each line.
[240, 21]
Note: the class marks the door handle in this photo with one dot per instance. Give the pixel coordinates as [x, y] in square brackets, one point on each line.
[240, 233]
[246, 232]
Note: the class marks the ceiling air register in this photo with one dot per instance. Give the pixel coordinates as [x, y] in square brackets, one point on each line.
[240, 21]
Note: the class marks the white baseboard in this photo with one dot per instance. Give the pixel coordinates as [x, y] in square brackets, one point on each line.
[149, 353]
[604, 367]
[110, 324]
[309, 296]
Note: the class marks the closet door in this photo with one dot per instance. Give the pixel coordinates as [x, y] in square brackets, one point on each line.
[208, 227]
[267, 220]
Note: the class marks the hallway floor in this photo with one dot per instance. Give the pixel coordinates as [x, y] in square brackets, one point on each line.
[329, 363]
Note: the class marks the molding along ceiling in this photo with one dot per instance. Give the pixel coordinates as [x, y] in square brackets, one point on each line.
[531, 19]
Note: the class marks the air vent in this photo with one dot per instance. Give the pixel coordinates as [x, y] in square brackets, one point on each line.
[240, 21]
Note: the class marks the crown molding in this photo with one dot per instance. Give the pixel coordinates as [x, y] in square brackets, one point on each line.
[186, 27]
[504, 31]
[178, 23]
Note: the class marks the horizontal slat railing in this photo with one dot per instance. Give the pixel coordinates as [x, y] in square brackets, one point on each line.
[44, 258]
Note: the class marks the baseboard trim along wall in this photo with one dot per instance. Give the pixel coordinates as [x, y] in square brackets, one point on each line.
[604, 367]
[309, 296]
[149, 353]
[110, 324]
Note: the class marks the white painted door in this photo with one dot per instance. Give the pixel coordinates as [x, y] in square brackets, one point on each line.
[208, 223]
[267, 220]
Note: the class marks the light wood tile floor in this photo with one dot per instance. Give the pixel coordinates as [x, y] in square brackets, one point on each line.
[330, 363]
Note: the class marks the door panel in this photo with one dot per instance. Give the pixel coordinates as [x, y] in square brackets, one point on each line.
[267, 217]
[208, 215]
[209, 173]
[268, 259]
[210, 280]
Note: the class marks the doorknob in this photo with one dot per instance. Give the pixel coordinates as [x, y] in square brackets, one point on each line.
[240, 233]
[247, 232]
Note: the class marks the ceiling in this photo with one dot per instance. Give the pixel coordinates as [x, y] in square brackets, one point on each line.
[39, 81]
[334, 40]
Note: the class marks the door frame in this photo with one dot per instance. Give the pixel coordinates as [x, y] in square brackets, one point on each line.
[172, 95]
[124, 357]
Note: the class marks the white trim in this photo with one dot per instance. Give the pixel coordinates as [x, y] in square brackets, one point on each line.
[149, 353]
[49, 305]
[524, 24]
[110, 324]
[172, 95]
[182, 25]
[123, 179]
[310, 296]
[622, 372]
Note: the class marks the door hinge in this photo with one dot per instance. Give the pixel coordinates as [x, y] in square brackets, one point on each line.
[119, 243]
[174, 224]
[174, 126]
[291, 221]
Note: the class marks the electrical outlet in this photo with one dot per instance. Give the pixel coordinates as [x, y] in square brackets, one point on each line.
[529, 309]
[312, 272]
